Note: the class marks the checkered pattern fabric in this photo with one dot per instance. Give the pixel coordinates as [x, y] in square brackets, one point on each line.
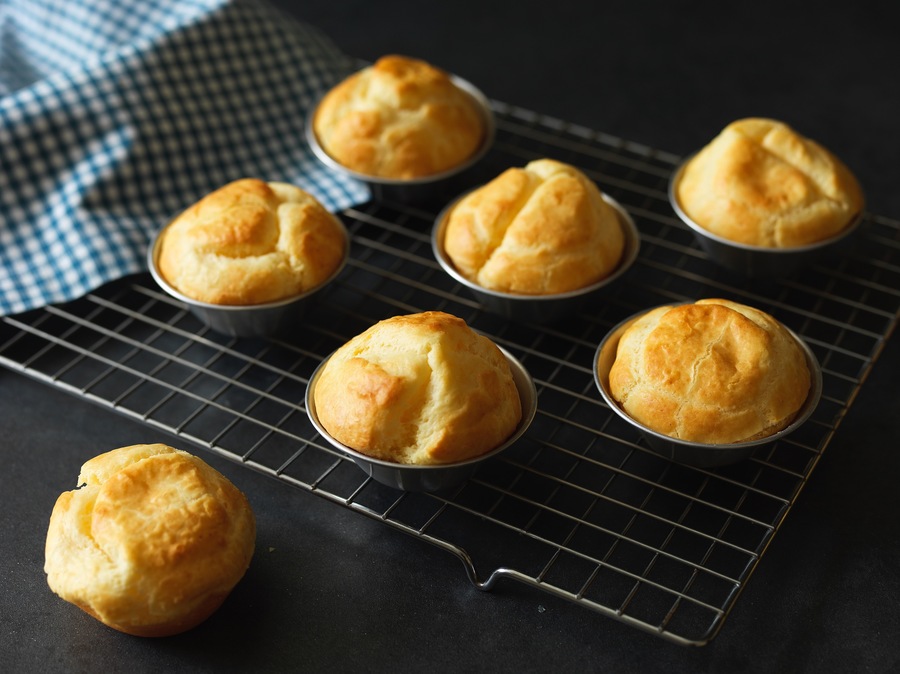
[115, 116]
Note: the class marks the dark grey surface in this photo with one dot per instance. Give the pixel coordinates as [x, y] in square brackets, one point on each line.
[331, 590]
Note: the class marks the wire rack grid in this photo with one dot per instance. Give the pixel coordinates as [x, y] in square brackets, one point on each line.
[579, 507]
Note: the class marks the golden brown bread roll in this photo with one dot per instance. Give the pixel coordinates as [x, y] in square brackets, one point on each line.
[399, 118]
[419, 389]
[714, 372]
[538, 230]
[761, 183]
[151, 542]
[251, 242]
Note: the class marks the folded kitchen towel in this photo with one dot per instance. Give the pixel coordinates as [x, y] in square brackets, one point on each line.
[115, 116]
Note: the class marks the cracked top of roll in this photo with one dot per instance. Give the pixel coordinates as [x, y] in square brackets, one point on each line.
[152, 541]
[251, 242]
[761, 183]
[419, 389]
[399, 118]
[713, 372]
[539, 230]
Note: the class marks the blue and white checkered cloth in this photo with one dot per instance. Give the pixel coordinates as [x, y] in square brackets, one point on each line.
[117, 115]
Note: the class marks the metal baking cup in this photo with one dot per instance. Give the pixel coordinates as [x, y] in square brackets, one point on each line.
[433, 477]
[438, 186]
[250, 320]
[699, 454]
[758, 261]
[540, 308]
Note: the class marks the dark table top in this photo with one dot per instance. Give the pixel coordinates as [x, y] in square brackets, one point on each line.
[331, 590]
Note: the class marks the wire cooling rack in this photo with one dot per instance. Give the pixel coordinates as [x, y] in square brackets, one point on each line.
[579, 507]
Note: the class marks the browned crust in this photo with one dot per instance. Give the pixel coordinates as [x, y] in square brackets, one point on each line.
[151, 543]
[399, 118]
[761, 183]
[419, 389]
[251, 242]
[538, 230]
[712, 372]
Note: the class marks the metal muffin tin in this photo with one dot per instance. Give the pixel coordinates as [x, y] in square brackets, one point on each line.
[758, 261]
[699, 454]
[438, 186]
[253, 320]
[540, 308]
[431, 478]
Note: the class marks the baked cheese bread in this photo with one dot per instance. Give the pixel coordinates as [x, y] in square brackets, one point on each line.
[712, 372]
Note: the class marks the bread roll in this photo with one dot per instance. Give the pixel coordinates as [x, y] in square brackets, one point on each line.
[761, 183]
[151, 542]
[251, 242]
[712, 372]
[538, 230]
[419, 389]
[400, 118]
